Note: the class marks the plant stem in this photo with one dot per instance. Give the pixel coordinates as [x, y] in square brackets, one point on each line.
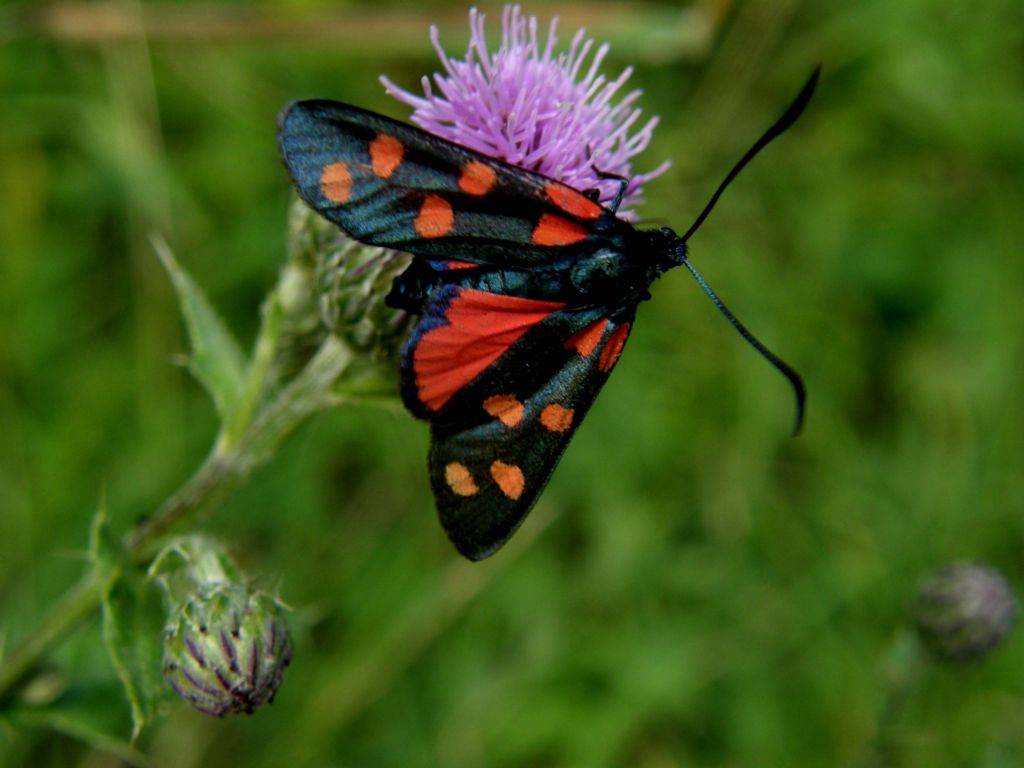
[74, 607]
[225, 467]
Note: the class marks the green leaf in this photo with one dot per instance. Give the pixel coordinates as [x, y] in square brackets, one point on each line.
[104, 550]
[93, 714]
[133, 623]
[216, 359]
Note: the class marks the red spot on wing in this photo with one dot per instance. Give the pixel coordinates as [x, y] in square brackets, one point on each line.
[481, 326]
[385, 155]
[460, 265]
[477, 178]
[556, 418]
[509, 478]
[554, 230]
[505, 408]
[336, 183]
[459, 479]
[612, 350]
[572, 202]
[585, 341]
[435, 218]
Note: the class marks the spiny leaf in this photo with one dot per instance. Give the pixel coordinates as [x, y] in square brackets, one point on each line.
[133, 622]
[216, 360]
[104, 550]
[90, 713]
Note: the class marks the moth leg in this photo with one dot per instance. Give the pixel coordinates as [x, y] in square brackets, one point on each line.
[595, 194]
[620, 193]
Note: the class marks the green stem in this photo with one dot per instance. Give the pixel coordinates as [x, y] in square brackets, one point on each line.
[76, 605]
[904, 668]
[224, 469]
[256, 379]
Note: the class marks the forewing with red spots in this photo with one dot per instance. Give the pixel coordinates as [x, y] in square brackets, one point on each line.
[505, 382]
[391, 184]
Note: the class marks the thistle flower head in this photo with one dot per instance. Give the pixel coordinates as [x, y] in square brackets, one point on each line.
[964, 611]
[550, 113]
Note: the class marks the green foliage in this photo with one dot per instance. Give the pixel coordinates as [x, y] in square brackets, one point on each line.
[215, 358]
[695, 588]
[133, 623]
[92, 715]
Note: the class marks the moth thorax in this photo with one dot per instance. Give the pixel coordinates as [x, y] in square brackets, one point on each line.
[599, 271]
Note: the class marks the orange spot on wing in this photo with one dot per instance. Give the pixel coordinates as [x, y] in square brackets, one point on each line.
[385, 155]
[477, 178]
[481, 326]
[612, 350]
[459, 480]
[435, 218]
[336, 183]
[556, 418]
[505, 408]
[585, 341]
[572, 202]
[554, 230]
[460, 265]
[509, 478]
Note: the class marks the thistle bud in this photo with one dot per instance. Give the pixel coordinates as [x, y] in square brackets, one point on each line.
[226, 644]
[226, 650]
[351, 280]
[964, 611]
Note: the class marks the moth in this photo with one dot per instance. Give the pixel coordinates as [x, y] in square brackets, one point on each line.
[526, 288]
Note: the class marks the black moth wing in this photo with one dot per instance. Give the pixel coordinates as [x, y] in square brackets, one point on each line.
[497, 440]
[391, 184]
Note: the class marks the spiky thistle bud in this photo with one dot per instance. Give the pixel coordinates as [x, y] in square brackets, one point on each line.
[226, 650]
[226, 644]
[964, 611]
[349, 281]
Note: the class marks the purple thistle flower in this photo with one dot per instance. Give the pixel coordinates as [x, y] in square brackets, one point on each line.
[535, 109]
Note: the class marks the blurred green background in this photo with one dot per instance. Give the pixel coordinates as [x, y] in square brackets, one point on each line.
[695, 587]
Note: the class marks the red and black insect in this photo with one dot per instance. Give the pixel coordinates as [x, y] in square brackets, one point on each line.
[527, 290]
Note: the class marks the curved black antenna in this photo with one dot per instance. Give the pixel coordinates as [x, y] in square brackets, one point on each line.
[787, 119]
[794, 378]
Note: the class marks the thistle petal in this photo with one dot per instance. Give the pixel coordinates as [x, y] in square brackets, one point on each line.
[553, 114]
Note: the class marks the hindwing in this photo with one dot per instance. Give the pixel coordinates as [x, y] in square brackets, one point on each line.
[518, 384]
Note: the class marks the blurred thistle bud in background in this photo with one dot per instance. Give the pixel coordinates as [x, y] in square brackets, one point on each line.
[964, 611]
[226, 645]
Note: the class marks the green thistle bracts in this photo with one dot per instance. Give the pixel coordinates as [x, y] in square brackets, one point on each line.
[348, 282]
[226, 644]
[226, 650]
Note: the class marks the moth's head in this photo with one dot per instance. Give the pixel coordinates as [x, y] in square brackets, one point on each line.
[677, 247]
[664, 249]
